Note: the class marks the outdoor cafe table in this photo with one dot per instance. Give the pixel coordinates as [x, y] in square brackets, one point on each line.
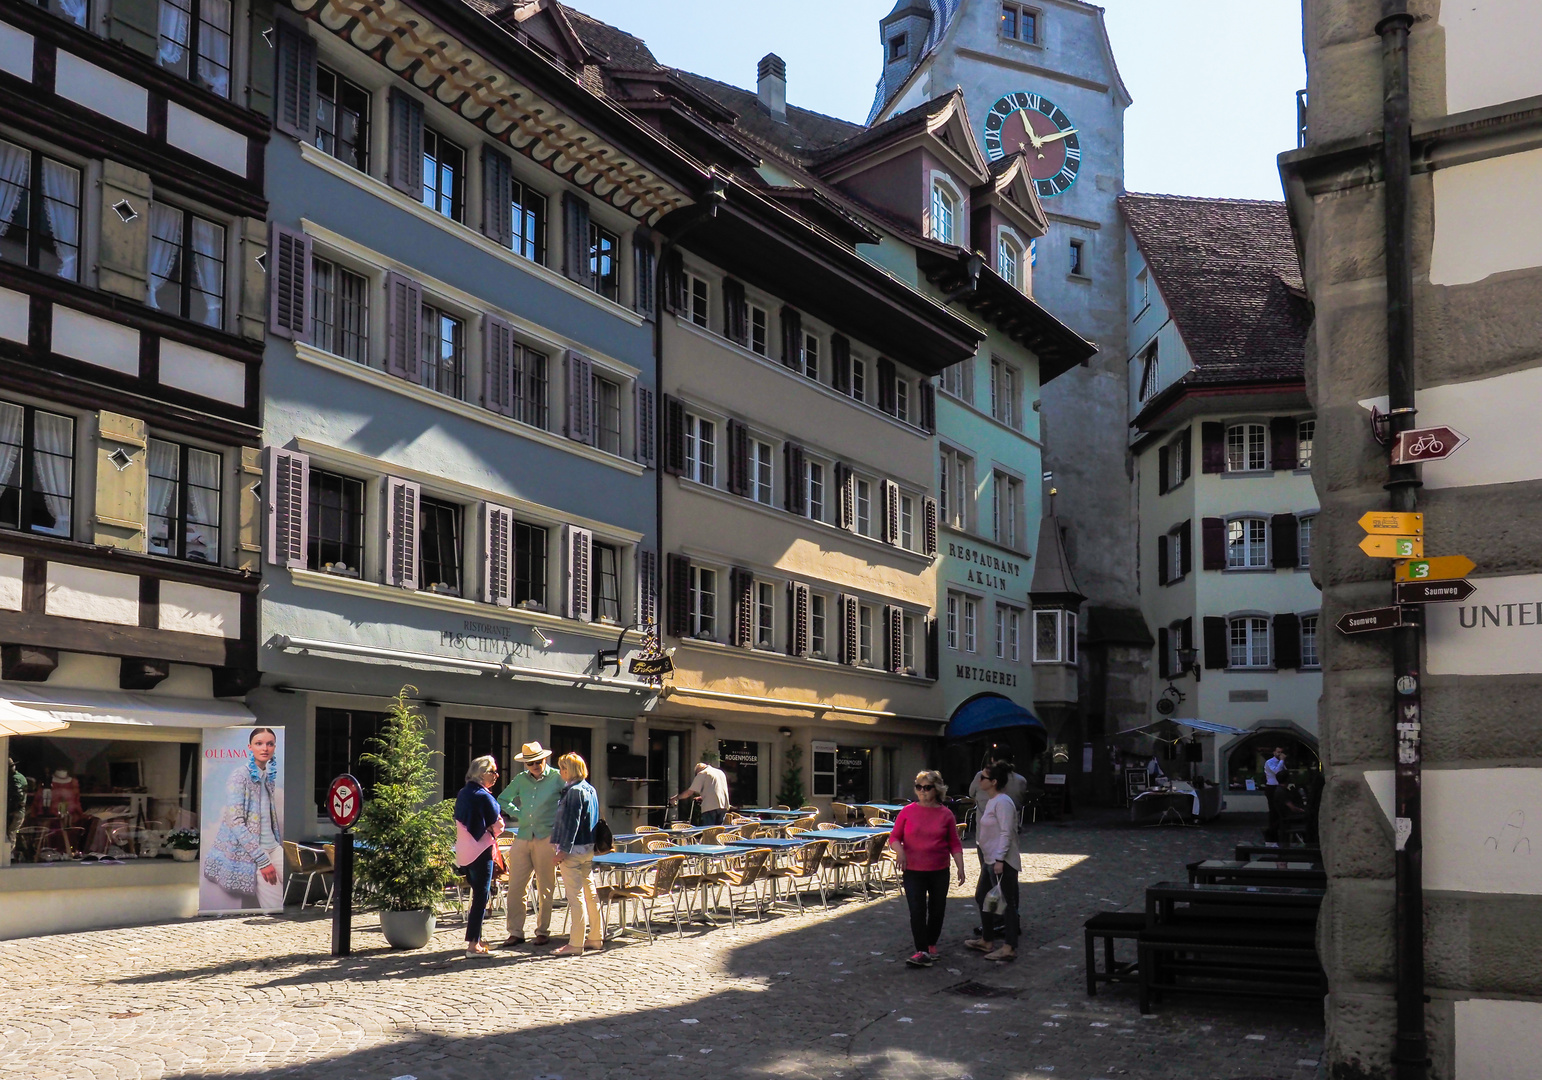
[768, 814]
[861, 832]
[779, 844]
[633, 837]
[890, 808]
[1230, 872]
[1162, 897]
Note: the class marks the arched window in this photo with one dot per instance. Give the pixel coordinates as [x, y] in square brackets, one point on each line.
[1009, 259]
[944, 212]
[1245, 758]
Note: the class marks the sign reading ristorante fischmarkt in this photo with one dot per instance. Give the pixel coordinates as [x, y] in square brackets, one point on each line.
[985, 568]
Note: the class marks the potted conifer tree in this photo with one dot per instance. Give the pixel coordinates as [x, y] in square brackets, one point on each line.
[406, 851]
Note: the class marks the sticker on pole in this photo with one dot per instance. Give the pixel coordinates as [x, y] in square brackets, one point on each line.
[345, 801]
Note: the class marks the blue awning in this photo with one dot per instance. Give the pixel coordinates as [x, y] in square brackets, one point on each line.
[1211, 726]
[991, 712]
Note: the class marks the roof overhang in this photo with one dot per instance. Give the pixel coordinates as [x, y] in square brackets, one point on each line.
[768, 246]
[1184, 400]
[965, 277]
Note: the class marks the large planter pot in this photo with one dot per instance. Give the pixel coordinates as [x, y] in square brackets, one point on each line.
[407, 929]
[184, 856]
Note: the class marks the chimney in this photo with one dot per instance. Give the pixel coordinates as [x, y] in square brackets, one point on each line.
[771, 86]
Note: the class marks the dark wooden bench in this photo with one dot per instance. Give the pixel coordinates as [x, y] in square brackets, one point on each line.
[1250, 852]
[1295, 875]
[1233, 940]
[1109, 926]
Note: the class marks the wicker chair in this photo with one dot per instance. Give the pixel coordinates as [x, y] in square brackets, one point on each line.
[842, 813]
[746, 878]
[665, 873]
[804, 823]
[657, 845]
[824, 826]
[310, 864]
[879, 823]
[648, 828]
[793, 830]
[780, 806]
[805, 866]
[710, 835]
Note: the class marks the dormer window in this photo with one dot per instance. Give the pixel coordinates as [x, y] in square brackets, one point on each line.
[1009, 260]
[899, 47]
[944, 212]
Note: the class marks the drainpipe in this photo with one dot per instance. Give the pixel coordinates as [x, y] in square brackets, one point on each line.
[1410, 1055]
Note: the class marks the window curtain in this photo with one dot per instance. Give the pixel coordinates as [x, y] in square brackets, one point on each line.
[214, 47]
[203, 512]
[176, 33]
[208, 268]
[14, 165]
[73, 10]
[165, 245]
[12, 417]
[61, 202]
[163, 496]
[53, 455]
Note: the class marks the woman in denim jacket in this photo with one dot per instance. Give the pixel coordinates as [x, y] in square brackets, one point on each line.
[578, 812]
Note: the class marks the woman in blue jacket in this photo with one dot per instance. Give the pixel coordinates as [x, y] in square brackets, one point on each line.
[578, 812]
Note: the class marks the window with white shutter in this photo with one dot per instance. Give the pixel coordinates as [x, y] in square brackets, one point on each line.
[497, 527]
[894, 636]
[891, 512]
[929, 526]
[578, 568]
[288, 484]
[580, 392]
[289, 257]
[849, 630]
[798, 624]
[401, 533]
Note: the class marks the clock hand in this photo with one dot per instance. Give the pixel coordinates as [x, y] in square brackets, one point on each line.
[1028, 129]
[1067, 133]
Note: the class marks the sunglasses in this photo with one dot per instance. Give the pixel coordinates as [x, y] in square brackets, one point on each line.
[926, 787]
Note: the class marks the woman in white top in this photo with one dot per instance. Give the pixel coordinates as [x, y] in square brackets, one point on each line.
[1000, 861]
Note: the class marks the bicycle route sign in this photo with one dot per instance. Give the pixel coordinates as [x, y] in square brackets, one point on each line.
[345, 801]
[1426, 444]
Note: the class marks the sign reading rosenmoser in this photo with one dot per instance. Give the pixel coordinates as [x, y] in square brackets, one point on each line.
[1497, 631]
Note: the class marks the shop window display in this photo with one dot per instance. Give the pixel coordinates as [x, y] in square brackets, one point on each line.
[92, 800]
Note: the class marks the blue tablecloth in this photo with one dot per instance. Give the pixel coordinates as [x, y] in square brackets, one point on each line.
[704, 850]
[626, 858]
[796, 841]
[862, 833]
[791, 815]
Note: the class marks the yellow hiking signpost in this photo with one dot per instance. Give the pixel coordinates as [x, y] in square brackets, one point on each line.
[1393, 547]
[1435, 568]
[1386, 521]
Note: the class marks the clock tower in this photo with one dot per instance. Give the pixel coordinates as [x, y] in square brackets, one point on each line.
[1039, 77]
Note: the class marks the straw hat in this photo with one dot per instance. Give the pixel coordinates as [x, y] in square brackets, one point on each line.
[531, 751]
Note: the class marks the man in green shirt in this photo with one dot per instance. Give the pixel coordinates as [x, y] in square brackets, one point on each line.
[530, 804]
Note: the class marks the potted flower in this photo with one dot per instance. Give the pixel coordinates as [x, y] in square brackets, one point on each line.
[183, 844]
[406, 841]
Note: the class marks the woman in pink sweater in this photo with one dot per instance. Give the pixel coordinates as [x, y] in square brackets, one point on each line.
[924, 837]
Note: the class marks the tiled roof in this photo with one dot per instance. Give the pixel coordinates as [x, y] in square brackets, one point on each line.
[622, 50]
[804, 135]
[1228, 272]
[915, 117]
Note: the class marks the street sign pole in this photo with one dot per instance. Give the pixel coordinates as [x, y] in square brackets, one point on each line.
[342, 895]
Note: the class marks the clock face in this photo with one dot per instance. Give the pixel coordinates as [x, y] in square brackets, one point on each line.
[1041, 129]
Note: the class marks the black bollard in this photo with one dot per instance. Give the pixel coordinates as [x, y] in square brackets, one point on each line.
[342, 895]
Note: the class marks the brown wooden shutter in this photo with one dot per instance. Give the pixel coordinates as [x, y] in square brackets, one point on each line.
[289, 283]
[1164, 653]
[121, 516]
[497, 554]
[580, 395]
[1186, 454]
[796, 493]
[1162, 559]
[288, 484]
[1186, 639]
[647, 587]
[840, 363]
[404, 315]
[294, 111]
[497, 196]
[1186, 554]
[1163, 456]
[249, 523]
[738, 458]
[679, 568]
[845, 496]
[123, 246]
[891, 512]
[927, 399]
[674, 281]
[500, 388]
[575, 240]
[1217, 648]
[849, 630]
[1287, 641]
[1282, 538]
[644, 283]
[401, 538]
[1213, 540]
[1212, 437]
[736, 312]
[405, 171]
[894, 634]
[933, 651]
[886, 396]
[674, 435]
[799, 597]
[792, 338]
[742, 585]
[578, 562]
[929, 526]
[1282, 442]
[645, 425]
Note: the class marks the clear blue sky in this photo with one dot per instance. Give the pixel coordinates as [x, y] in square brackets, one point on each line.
[1214, 81]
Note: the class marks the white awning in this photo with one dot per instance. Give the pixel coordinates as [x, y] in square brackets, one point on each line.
[30, 709]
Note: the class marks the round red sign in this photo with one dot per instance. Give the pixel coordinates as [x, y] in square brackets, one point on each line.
[345, 801]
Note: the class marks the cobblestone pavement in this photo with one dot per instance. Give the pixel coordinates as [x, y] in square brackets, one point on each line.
[824, 996]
